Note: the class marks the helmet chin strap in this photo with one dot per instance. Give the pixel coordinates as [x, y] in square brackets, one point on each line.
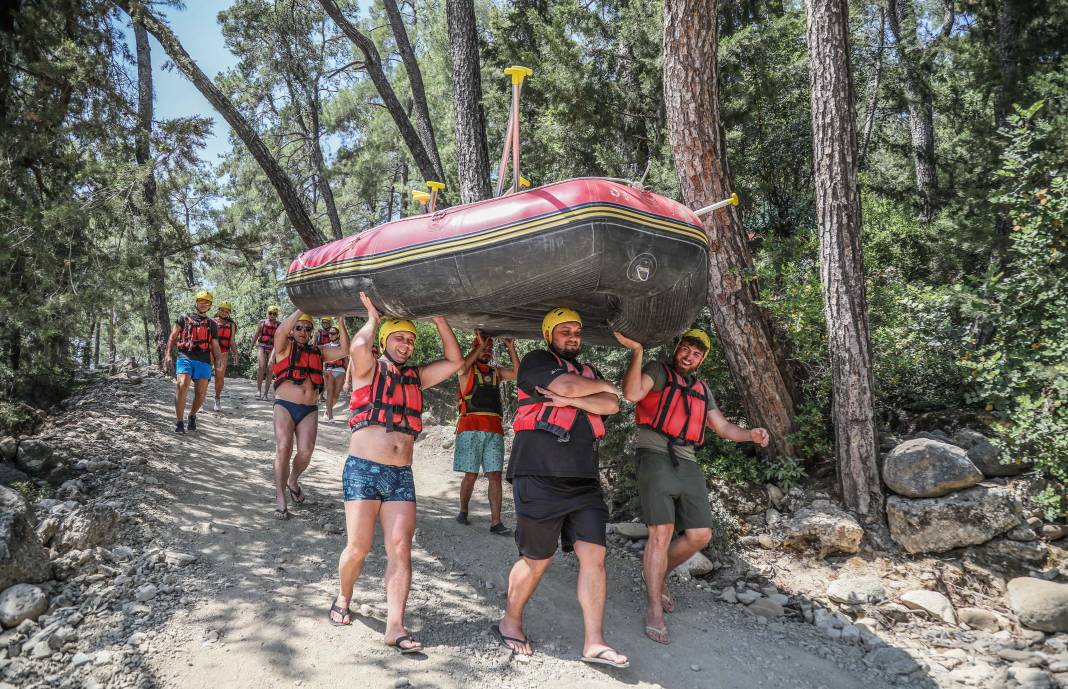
[390, 359]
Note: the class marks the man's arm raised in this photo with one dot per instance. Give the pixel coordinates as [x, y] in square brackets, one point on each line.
[362, 358]
[636, 385]
[474, 355]
[281, 336]
[510, 373]
[433, 373]
[332, 352]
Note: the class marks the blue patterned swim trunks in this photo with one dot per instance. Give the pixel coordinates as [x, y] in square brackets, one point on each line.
[363, 479]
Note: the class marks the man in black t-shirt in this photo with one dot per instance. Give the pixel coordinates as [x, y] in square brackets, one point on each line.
[554, 476]
[197, 338]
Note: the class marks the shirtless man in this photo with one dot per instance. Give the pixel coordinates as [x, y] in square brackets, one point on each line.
[298, 379]
[387, 406]
[263, 343]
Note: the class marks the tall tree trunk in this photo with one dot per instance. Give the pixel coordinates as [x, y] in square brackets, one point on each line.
[96, 345]
[373, 64]
[873, 103]
[315, 149]
[423, 123]
[87, 350]
[287, 194]
[691, 102]
[148, 341]
[112, 353]
[845, 304]
[471, 155]
[916, 80]
[1010, 24]
[155, 267]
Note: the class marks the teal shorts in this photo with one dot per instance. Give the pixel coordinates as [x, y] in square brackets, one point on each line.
[476, 450]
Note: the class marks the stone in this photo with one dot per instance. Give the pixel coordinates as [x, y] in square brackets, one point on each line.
[747, 597]
[765, 607]
[856, 590]
[35, 457]
[698, 565]
[979, 618]
[728, 595]
[47, 528]
[9, 447]
[1022, 533]
[923, 468]
[1029, 678]
[80, 659]
[401, 682]
[86, 527]
[851, 634]
[22, 557]
[1039, 604]
[10, 474]
[985, 456]
[21, 602]
[177, 559]
[632, 530]
[1012, 555]
[893, 661]
[827, 529]
[967, 517]
[738, 500]
[145, 593]
[775, 495]
[1053, 532]
[772, 516]
[931, 602]
[766, 541]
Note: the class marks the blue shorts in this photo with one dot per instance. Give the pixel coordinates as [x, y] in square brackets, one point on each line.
[197, 370]
[478, 449]
[363, 479]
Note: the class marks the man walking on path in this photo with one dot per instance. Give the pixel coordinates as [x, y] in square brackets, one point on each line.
[387, 407]
[555, 482]
[479, 430]
[298, 380]
[197, 339]
[673, 409]
[227, 331]
[263, 344]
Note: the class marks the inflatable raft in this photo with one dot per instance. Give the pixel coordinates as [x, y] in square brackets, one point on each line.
[626, 259]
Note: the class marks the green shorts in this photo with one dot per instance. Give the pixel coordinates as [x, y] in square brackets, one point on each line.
[476, 450]
[672, 495]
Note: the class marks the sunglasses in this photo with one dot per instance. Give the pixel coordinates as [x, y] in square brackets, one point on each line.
[302, 329]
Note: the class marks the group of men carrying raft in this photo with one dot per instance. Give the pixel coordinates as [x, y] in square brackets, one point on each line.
[553, 468]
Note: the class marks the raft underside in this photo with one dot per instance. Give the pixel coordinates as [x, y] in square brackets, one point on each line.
[595, 267]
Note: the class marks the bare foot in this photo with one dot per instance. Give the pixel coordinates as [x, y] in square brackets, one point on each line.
[604, 655]
[512, 636]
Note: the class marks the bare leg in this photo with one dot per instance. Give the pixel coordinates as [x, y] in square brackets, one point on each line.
[283, 441]
[200, 392]
[683, 548]
[398, 528]
[220, 378]
[592, 584]
[333, 389]
[655, 569]
[494, 478]
[360, 516]
[306, 432]
[522, 582]
[261, 370]
[181, 390]
[467, 486]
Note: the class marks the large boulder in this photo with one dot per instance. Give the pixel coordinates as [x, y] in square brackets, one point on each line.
[824, 527]
[35, 457]
[925, 468]
[85, 527]
[10, 474]
[968, 517]
[22, 557]
[21, 602]
[985, 456]
[931, 602]
[9, 447]
[1039, 604]
[858, 590]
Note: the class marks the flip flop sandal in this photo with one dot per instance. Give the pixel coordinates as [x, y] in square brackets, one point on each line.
[344, 612]
[667, 601]
[599, 659]
[496, 629]
[662, 631]
[417, 648]
[298, 495]
[281, 515]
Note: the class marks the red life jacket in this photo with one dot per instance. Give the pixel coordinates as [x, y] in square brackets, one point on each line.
[226, 333]
[481, 393]
[677, 411]
[534, 415]
[322, 338]
[304, 362]
[343, 362]
[196, 333]
[394, 399]
[267, 329]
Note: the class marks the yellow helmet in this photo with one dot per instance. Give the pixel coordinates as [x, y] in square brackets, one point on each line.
[272, 309]
[226, 305]
[559, 315]
[393, 325]
[203, 294]
[326, 320]
[699, 335]
[306, 317]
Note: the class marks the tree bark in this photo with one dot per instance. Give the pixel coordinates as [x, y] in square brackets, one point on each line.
[112, 353]
[841, 257]
[373, 64]
[423, 123]
[873, 104]
[472, 157]
[96, 345]
[155, 267]
[691, 103]
[916, 81]
[287, 194]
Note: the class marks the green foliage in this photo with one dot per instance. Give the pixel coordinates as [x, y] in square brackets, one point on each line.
[32, 492]
[1021, 373]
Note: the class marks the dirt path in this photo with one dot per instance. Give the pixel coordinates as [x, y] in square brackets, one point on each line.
[262, 587]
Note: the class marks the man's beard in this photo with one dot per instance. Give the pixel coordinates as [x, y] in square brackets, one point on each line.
[570, 356]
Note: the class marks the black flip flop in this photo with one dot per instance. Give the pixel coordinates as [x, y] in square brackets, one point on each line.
[281, 515]
[599, 659]
[496, 629]
[345, 612]
[298, 495]
[411, 649]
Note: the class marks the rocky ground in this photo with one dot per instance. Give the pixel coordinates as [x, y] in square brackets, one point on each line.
[152, 560]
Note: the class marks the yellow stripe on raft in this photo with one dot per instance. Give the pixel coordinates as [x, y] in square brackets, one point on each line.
[360, 263]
